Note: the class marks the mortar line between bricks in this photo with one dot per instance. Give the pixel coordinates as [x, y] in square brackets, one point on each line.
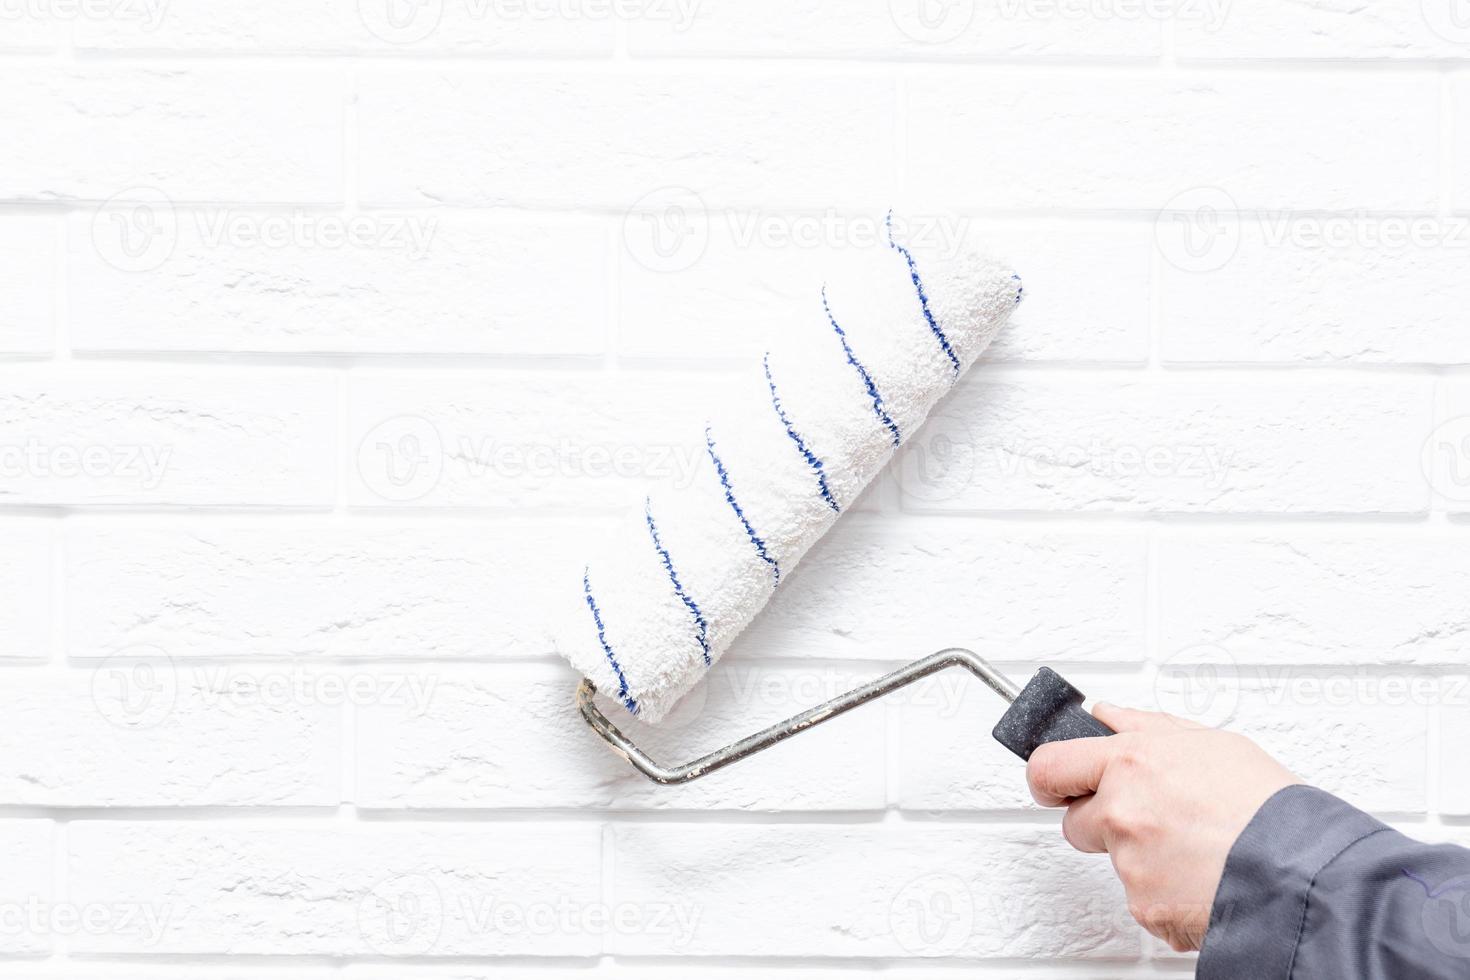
[531, 212]
[1269, 671]
[1082, 523]
[607, 62]
[465, 364]
[1102, 968]
[385, 820]
[999, 523]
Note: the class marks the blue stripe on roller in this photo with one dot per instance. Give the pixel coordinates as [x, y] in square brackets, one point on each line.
[801, 446]
[1020, 289]
[700, 624]
[878, 408]
[934, 327]
[755, 539]
[628, 702]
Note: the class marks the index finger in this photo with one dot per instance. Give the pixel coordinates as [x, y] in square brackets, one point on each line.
[1062, 771]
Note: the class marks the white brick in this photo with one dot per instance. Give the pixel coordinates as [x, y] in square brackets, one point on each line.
[589, 139]
[30, 28]
[1393, 29]
[25, 583]
[466, 590]
[518, 439]
[731, 296]
[1343, 731]
[946, 757]
[92, 436]
[1187, 443]
[1445, 459]
[1454, 735]
[144, 135]
[1459, 116]
[27, 284]
[872, 892]
[534, 750]
[1301, 287]
[1369, 598]
[27, 890]
[140, 730]
[254, 280]
[343, 890]
[1136, 141]
[898, 588]
[326, 27]
[876, 29]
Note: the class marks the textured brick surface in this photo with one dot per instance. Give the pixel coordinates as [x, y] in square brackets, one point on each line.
[373, 891]
[133, 135]
[1197, 444]
[1316, 598]
[368, 589]
[139, 729]
[503, 737]
[87, 435]
[29, 890]
[1135, 141]
[333, 333]
[890, 909]
[27, 285]
[609, 141]
[299, 280]
[26, 583]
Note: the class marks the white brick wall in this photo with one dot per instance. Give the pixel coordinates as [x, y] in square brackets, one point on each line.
[330, 330]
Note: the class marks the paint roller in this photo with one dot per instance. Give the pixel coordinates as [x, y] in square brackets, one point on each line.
[854, 371]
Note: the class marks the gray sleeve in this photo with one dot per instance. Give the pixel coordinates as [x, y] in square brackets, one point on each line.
[1316, 890]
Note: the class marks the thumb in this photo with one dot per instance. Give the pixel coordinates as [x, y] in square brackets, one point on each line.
[1133, 720]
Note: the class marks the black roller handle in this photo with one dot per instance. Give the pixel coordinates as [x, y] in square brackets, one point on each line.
[1048, 709]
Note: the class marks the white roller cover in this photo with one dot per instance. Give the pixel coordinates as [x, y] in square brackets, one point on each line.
[856, 370]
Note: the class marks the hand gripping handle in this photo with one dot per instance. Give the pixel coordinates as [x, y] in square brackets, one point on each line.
[1048, 709]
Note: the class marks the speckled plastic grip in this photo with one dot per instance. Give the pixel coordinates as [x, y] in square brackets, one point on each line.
[1047, 710]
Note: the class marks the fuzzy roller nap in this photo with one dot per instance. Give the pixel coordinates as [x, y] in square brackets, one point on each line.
[856, 370]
